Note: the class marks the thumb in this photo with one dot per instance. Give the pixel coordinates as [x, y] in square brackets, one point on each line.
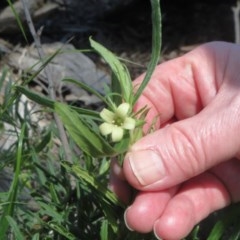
[183, 149]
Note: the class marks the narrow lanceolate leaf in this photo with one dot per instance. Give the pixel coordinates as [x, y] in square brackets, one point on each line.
[225, 222]
[13, 191]
[104, 230]
[89, 141]
[15, 228]
[47, 102]
[156, 46]
[119, 70]
[18, 20]
[104, 193]
[116, 88]
[40, 99]
[61, 230]
[87, 88]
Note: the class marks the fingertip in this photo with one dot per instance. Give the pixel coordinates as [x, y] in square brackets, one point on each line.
[156, 233]
[168, 228]
[146, 209]
[126, 221]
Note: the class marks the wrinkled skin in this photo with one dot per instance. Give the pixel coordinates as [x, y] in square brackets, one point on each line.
[189, 167]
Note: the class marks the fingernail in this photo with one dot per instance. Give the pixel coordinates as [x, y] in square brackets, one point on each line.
[146, 166]
[155, 234]
[157, 237]
[125, 220]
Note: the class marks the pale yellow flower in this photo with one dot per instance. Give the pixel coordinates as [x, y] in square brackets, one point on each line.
[116, 122]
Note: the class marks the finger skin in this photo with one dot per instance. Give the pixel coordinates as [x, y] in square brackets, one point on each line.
[184, 86]
[197, 147]
[206, 102]
[195, 201]
[146, 209]
[173, 214]
[182, 150]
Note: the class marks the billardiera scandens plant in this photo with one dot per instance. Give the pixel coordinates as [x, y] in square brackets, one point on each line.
[89, 129]
[116, 122]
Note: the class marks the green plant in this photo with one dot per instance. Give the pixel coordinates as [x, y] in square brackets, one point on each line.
[51, 196]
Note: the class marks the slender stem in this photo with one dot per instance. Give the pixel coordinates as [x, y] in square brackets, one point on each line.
[51, 89]
[156, 46]
[236, 11]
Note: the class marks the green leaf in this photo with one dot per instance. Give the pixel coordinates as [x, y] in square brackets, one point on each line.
[44, 62]
[86, 88]
[116, 88]
[13, 191]
[123, 145]
[17, 233]
[231, 215]
[104, 166]
[18, 20]
[40, 99]
[119, 70]
[156, 46]
[61, 230]
[54, 194]
[50, 211]
[44, 142]
[104, 192]
[104, 230]
[36, 236]
[47, 102]
[89, 141]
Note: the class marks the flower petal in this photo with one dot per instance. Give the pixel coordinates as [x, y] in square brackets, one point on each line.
[117, 133]
[107, 115]
[129, 123]
[123, 109]
[106, 128]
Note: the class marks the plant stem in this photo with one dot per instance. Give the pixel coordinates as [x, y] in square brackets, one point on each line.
[156, 46]
[236, 11]
[51, 90]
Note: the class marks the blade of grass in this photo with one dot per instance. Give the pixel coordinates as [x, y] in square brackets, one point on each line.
[36, 236]
[87, 88]
[61, 230]
[18, 20]
[14, 95]
[156, 46]
[104, 230]
[106, 194]
[230, 215]
[9, 209]
[17, 233]
[47, 102]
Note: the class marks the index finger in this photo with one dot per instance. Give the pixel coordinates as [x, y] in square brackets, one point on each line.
[180, 88]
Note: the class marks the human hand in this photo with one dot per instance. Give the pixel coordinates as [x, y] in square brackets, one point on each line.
[189, 167]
